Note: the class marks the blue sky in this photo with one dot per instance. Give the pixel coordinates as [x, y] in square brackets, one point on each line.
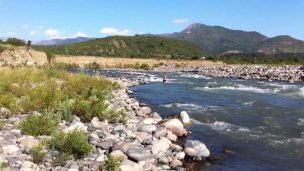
[45, 19]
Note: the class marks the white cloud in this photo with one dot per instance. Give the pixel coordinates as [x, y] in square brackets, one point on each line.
[25, 26]
[114, 31]
[180, 21]
[40, 27]
[80, 34]
[141, 33]
[33, 32]
[53, 34]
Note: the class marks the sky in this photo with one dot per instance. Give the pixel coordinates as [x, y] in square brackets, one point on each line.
[47, 19]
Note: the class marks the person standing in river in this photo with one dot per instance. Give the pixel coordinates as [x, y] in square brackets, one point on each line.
[165, 78]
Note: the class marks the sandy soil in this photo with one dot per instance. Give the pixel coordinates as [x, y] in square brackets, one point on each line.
[116, 61]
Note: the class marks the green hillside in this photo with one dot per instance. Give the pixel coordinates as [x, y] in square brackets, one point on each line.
[130, 46]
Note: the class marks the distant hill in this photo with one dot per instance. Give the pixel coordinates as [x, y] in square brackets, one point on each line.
[62, 41]
[218, 40]
[130, 46]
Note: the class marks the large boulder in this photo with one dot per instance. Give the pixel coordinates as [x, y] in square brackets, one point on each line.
[176, 126]
[144, 111]
[128, 165]
[199, 147]
[139, 154]
[185, 118]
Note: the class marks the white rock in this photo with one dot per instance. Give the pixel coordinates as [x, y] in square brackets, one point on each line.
[161, 145]
[149, 121]
[176, 126]
[29, 166]
[180, 155]
[28, 142]
[199, 147]
[10, 149]
[100, 158]
[76, 126]
[128, 165]
[171, 136]
[185, 117]
[95, 122]
[190, 152]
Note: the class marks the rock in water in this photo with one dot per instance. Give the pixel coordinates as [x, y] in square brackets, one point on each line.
[176, 127]
[139, 154]
[185, 117]
[199, 147]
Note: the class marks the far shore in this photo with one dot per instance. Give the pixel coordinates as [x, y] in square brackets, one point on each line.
[116, 61]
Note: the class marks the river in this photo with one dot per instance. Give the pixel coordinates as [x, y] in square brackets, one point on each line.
[261, 122]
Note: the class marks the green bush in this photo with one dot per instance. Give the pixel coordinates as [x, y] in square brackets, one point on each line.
[35, 125]
[15, 42]
[145, 66]
[61, 158]
[38, 154]
[65, 109]
[111, 164]
[74, 143]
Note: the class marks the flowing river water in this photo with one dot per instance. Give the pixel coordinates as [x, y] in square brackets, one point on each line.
[261, 122]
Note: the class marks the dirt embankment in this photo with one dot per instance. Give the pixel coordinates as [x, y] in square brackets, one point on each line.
[14, 56]
[118, 61]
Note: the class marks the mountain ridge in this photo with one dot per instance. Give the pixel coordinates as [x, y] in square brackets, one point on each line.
[218, 40]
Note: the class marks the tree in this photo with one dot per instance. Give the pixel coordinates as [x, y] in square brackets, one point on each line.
[15, 42]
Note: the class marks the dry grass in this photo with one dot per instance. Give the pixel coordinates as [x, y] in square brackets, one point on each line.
[117, 61]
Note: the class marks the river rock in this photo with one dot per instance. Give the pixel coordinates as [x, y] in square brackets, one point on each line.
[10, 149]
[171, 136]
[175, 163]
[29, 166]
[144, 111]
[118, 155]
[190, 152]
[28, 142]
[128, 165]
[107, 144]
[141, 136]
[161, 145]
[156, 117]
[176, 127]
[180, 155]
[139, 154]
[161, 131]
[199, 147]
[149, 121]
[147, 128]
[185, 117]
[75, 125]
[122, 146]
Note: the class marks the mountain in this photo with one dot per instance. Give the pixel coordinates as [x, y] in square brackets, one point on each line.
[219, 40]
[130, 46]
[62, 41]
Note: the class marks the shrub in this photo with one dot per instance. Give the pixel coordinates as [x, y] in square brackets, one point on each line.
[2, 123]
[73, 143]
[35, 125]
[50, 56]
[15, 42]
[61, 158]
[38, 153]
[65, 109]
[111, 164]
[144, 66]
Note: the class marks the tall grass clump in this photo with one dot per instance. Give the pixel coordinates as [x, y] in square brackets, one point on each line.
[74, 143]
[25, 90]
[35, 125]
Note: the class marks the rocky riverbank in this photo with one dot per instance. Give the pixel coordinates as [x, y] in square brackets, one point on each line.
[144, 141]
[259, 72]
